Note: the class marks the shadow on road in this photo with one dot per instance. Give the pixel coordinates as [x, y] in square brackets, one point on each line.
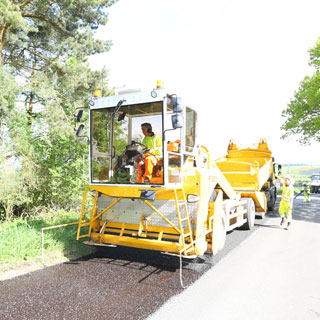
[151, 263]
[307, 211]
[156, 264]
[303, 211]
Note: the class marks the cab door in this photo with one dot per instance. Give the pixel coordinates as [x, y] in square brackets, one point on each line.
[101, 146]
[174, 140]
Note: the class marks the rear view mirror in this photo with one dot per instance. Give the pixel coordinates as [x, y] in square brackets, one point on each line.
[177, 121]
[177, 104]
[193, 198]
[79, 130]
[122, 116]
[79, 115]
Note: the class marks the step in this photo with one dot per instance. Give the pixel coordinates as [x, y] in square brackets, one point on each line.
[186, 235]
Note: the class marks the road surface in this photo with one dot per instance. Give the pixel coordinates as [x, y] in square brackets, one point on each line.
[274, 274]
[266, 273]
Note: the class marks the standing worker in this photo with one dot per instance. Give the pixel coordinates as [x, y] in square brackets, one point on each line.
[306, 193]
[286, 202]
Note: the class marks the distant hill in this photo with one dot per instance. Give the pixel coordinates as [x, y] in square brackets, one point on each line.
[300, 169]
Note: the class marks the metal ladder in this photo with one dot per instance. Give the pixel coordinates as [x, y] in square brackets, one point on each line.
[83, 212]
[186, 238]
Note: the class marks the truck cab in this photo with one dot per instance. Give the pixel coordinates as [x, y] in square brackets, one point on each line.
[116, 138]
[315, 183]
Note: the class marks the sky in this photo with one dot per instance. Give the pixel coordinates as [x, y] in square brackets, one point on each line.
[238, 63]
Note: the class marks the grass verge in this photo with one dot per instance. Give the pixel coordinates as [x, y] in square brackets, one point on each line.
[21, 243]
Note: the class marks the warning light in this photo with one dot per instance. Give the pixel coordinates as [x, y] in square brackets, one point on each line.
[159, 84]
[97, 93]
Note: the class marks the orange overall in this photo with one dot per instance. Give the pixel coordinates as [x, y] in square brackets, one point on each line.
[154, 144]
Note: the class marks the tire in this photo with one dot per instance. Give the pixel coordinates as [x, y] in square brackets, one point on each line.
[250, 215]
[271, 195]
[272, 202]
[219, 234]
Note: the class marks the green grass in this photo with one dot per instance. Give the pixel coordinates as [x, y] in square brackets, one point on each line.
[20, 239]
[300, 173]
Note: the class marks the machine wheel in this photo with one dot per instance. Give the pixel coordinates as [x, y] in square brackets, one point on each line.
[250, 215]
[271, 202]
[271, 196]
[219, 233]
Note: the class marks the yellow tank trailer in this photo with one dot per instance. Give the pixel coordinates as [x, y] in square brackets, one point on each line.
[189, 202]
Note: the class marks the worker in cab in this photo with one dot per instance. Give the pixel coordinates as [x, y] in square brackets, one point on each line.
[152, 153]
[306, 193]
[286, 203]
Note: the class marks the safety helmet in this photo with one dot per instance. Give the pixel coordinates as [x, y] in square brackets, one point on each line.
[290, 179]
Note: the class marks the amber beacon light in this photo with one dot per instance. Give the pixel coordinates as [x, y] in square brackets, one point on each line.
[159, 84]
[97, 93]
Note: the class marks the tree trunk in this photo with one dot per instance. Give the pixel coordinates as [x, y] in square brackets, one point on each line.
[2, 27]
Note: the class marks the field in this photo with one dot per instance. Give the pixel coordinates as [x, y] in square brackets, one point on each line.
[300, 172]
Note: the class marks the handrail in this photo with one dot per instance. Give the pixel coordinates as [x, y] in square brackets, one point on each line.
[53, 227]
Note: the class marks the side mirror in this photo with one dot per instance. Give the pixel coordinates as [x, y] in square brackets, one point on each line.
[177, 121]
[79, 115]
[79, 130]
[177, 104]
[122, 116]
[192, 198]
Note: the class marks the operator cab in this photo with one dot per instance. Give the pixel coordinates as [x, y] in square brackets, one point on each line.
[116, 137]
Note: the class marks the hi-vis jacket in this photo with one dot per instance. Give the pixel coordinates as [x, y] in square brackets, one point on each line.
[287, 193]
[306, 189]
[154, 143]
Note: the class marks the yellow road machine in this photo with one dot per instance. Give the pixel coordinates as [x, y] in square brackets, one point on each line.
[190, 202]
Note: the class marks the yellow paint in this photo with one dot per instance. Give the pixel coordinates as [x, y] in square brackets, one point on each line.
[241, 173]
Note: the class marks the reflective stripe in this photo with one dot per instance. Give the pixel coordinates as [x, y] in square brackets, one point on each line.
[287, 193]
[155, 144]
[151, 143]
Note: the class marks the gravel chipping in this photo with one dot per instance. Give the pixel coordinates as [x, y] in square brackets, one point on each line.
[116, 283]
[113, 283]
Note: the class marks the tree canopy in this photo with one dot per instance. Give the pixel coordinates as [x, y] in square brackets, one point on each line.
[44, 77]
[303, 112]
[50, 41]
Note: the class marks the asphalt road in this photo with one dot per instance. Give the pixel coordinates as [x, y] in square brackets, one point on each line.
[274, 274]
[124, 283]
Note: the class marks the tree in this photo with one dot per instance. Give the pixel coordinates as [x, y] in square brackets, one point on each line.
[303, 112]
[46, 37]
[45, 46]
[8, 91]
